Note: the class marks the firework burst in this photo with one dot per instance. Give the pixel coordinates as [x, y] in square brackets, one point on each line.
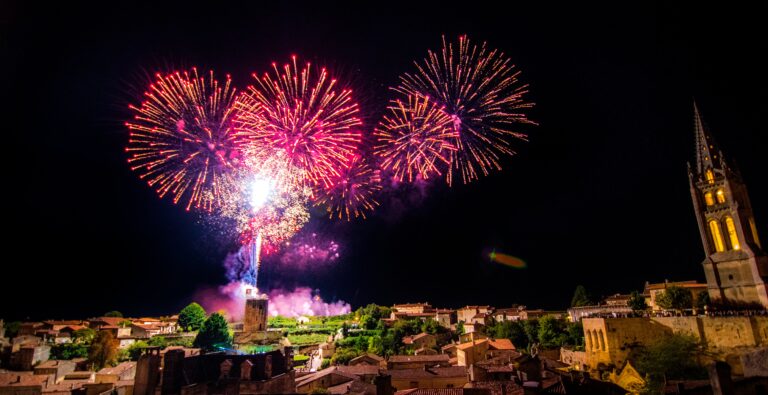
[181, 140]
[415, 139]
[351, 193]
[479, 89]
[305, 116]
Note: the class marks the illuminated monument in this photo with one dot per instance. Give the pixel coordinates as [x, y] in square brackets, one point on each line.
[736, 267]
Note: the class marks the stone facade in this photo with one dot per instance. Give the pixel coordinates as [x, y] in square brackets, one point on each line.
[609, 341]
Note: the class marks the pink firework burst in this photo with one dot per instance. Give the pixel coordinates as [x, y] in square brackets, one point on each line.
[351, 193]
[415, 138]
[181, 138]
[303, 115]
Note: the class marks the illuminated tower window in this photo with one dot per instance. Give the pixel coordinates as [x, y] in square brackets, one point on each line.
[709, 199]
[710, 176]
[732, 236]
[717, 236]
[753, 227]
[720, 196]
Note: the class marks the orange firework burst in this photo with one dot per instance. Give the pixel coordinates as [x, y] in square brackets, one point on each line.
[351, 193]
[303, 115]
[181, 140]
[479, 89]
[415, 138]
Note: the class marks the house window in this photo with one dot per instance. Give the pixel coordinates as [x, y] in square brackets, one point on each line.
[717, 236]
[710, 176]
[720, 196]
[732, 236]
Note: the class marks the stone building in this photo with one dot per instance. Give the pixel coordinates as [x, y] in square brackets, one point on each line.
[255, 319]
[735, 264]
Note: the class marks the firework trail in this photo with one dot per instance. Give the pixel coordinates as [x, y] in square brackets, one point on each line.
[305, 116]
[415, 138]
[181, 138]
[478, 88]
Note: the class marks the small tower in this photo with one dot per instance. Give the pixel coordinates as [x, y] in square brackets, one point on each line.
[256, 307]
[735, 265]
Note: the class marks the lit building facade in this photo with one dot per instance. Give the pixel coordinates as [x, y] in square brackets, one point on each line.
[735, 265]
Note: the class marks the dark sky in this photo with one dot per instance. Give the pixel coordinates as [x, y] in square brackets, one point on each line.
[599, 196]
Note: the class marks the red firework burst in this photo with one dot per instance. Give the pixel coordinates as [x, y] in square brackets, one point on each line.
[181, 141]
[479, 89]
[415, 139]
[304, 115]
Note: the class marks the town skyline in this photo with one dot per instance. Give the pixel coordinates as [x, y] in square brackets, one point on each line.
[600, 187]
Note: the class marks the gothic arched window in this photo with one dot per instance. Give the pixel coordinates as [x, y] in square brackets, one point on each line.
[720, 196]
[708, 199]
[602, 340]
[733, 237]
[754, 231]
[710, 175]
[717, 235]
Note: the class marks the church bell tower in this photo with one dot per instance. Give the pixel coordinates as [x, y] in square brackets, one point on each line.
[735, 265]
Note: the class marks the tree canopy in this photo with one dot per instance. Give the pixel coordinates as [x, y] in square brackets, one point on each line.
[113, 313]
[192, 317]
[103, 350]
[637, 302]
[675, 298]
[580, 297]
[214, 334]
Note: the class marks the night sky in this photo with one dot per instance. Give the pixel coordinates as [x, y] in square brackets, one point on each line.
[599, 196]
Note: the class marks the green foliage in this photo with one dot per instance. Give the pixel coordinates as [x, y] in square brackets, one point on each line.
[371, 314]
[85, 335]
[214, 334]
[674, 357]
[303, 340]
[325, 363]
[103, 350]
[281, 322]
[163, 342]
[69, 351]
[319, 391]
[113, 313]
[636, 302]
[460, 328]
[512, 330]
[675, 298]
[134, 350]
[342, 357]
[376, 345]
[300, 358]
[702, 300]
[552, 333]
[580, 297]
[12, 329]
[192, 317]
[531, 329]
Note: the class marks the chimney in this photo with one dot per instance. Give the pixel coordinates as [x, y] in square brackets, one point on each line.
[383, 383]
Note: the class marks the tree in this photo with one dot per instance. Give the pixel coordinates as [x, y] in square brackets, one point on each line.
[531, 328]
[85, 335]
[12, 329]
[512, 330]
[191, 318]
[636, 302]
[551, 332]
[670, 357]
[375, 345]
[113, 313]
[134, 350]
[702, 300]
[103, 350]
[214, 334]
[460, 328]
[69, 351]
[675, 298]
[580, 297]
